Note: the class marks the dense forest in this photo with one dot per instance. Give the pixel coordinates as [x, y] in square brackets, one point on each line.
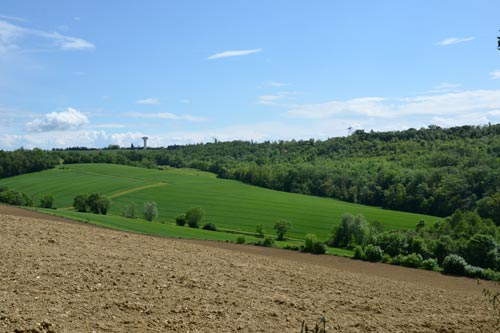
[430, 170]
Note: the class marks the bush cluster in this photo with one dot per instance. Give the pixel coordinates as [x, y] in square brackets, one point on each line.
[15, 198]
[47, 201]
[210, 226]
[266, 241]
[95, 203]
[313, 245]
[180, 220]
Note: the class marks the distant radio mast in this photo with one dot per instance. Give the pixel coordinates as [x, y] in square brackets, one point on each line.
[145, 138]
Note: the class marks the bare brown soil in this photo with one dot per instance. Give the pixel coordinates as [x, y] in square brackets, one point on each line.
[71, 277]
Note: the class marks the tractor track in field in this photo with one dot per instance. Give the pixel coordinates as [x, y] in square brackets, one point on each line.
[135, 189]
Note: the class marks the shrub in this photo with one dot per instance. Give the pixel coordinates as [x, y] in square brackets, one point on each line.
[129, 211]
[443, 247]
[194, 217]
[313, 245]
[352, 230]
[98, 203]
[413, 260]
[474, 272]
[430, 264]
[80, 203]
[16, 198]
[387, 259]
[47, 201]
[150, 211]
[240, 240]
[294, 247]
[397, 260]
[373, 253]
[391, 242]
[267, 241]
[180, 220]
[454, 264]
[490, 274]
[359, 253]
[210, 226]
[281, 227]
[259, 230]
[481, 251]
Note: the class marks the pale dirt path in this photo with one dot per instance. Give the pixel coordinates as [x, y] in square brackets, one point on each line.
[135, 189]
[71, 277]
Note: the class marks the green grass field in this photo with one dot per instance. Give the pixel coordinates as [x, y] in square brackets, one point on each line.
[228, 204]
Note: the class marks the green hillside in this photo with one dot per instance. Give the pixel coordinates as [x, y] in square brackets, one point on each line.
[228, 204]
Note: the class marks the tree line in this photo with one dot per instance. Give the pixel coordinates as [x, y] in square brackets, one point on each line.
[430, 170]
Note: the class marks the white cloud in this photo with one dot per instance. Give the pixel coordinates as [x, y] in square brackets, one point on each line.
[276, 84]
[148, 101]
[70, 43]
[185, 101]
[166, 116]
[454, 40]
[226, 54]
[269, 99]
[495, 74]
[12, 18]
[11, 35]
[279, 96]
[451, 104]
[58, 121]
[109, 126]
[444, 87]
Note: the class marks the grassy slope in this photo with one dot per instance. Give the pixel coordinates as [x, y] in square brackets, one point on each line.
[227, 203]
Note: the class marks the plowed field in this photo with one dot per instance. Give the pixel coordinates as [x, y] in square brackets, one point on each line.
[57, 276]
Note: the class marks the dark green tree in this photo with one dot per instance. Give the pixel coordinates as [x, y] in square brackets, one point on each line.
[80, 203]
[194, 216]
[281, 227]
[47, 201]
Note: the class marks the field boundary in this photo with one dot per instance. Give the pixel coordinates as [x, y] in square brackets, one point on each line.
[390, 272]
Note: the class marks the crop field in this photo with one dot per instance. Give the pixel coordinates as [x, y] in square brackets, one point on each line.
[59, 276]
[229, 204]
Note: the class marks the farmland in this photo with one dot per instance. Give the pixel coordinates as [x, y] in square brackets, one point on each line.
[70, 277]
[229, 204]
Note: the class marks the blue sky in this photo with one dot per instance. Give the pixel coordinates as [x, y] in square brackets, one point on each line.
[93, 73]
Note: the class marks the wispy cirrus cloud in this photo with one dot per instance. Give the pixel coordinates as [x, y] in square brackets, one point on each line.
[13, 35]
[12, 18]
[445, 87]
[281, 96]
[238, 53]
[454, 40]
[58, 121]
[148, 101]
[276, 84]
[166, 116]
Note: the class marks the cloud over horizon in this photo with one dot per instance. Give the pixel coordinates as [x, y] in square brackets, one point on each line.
[58, 121]
[451, 104]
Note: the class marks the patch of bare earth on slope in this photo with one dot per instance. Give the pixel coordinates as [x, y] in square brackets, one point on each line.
[69, 277]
